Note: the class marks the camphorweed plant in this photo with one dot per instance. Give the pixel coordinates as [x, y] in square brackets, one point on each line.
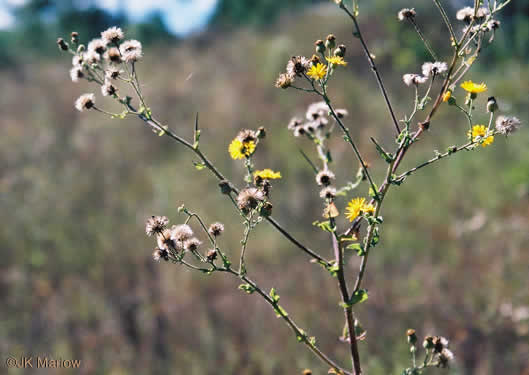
[110, 62]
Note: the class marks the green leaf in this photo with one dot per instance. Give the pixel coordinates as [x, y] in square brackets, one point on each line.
[385, 155]
[324, 225]
[373, 193]
[358, 297]
[247, 288]
[357, 247]
[333, 270]
[274, 295]
[199, 166]
[280, 312]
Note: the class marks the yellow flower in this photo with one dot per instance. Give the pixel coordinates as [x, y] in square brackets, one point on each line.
[267, 174]
[480, 132]
[474, 88]
[336, 60]
[358, 206]
[240, 150]
[318, 71]
[447, 95]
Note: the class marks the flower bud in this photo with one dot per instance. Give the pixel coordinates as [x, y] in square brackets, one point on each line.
[261, 132]
[75, 37]
[412, 337]
[320, 46]
[492, 105]
[225, 187]
[330, 42]
[266, 209]
[63, 46]
[340, 51]
[428, 342]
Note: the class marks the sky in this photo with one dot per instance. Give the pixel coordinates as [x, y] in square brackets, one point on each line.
[181, 16]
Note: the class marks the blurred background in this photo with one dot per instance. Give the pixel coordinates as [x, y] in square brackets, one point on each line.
[77, 279]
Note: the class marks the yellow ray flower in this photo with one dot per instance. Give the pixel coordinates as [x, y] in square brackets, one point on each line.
[240, 150]
[358, 206]
[267, 174]
[318, 71]
[336, 60]
[474, 88]
[480, 132]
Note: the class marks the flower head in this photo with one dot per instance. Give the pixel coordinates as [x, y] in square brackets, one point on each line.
[445, 357]
[113, 73]
[249, 199]
[318, 71]
[465, 14]
[284, 81]
[317, 110]
[434, 68]
[160, 254]
[447, 95]
[507, 125]
[216, 229]
[328, 192]
[98, 46]
[108, 89]
[294, 123]
[241, 150]
[181, 232]
[166, 241]
[131, 50]
[297, 65]
[406, 13]
[76, 73]
[479, 133]
[267, 174]
[192, 244]
[85, 101]
[358, 206]
[474, 88]
[112, 35]
[247, 135]
[336, 60]
[156, 224]
[324, 178]
[113, 55]
[413, 79]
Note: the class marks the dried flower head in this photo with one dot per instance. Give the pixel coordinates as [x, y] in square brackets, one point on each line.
[507, 125]
[98, 46]
[318, 71]
[181, 232]
[76, 73]
[317, 110]
[192, 244]
[77, 60]
[294, 123]
[266, 209]
[216, 229]
[482, 13]
[299, 131]
[325, 177]
[247, 135]
[439, 343]
[63, 46]
[284, 81]
[297, 66]
[112, 35]
[85, 101]
[414, 79]
[211, 255]
[406, 13]
[430, 69]
[166, 241]
[108, 89]
[328, 192]
[113, 72]
[160, 254]
[113, 55]
[74, 37]
[249, 199]
[493, 25]
[465, 14]
[91, 57]
[445, 358]
[341, 113]
[156, 224]
[131, 51]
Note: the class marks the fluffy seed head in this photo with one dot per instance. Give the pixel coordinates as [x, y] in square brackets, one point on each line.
[465, 14]
[328, 192]
[63, 46]
[131, 51]
[108, 89]
[76, 73]
[216, 229]
[429, 69]
[181, 232]
[112, 35]
[325, 177]
[156, 224]
[98, 46]
[113, 73]
[113, 55]
[192, 244]
[406, 13]
[317, 110]
[165, 241]
[413, 79]
[247, 135]
[445, 357]
[85, 101]
[294, 123]
[284, 81]
[507, 125]
[160, 254]
[297, 65]
[249, 199]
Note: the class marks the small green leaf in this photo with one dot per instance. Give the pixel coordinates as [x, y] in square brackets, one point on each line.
[358, 297]
[247, 288]
[274, 295]
[199, 166]
[324, 225]
[357, 247]
[388, 158]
